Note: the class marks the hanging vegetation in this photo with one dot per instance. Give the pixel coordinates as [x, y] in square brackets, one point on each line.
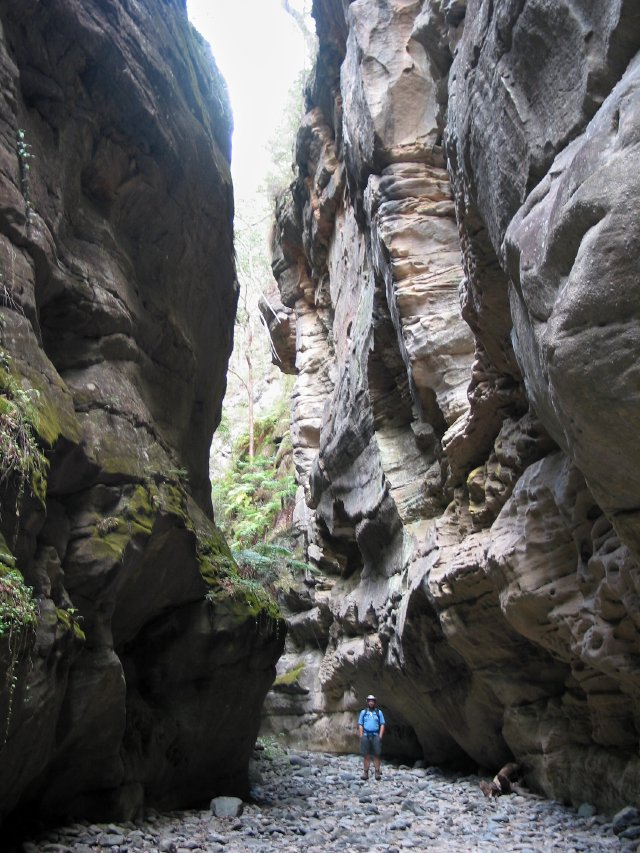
[18, 618]
[22, 462]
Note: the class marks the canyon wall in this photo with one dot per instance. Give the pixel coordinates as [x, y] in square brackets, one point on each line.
[457, 269]
[141, 680]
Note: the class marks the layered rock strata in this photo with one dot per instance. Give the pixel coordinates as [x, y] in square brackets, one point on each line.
[142, 679]
[456, 261]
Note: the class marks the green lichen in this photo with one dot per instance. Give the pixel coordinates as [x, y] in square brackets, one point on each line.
[138, 511]
[47, 423]
[240, 597]
[7, 560]
[70, 621]
[215, 557]
[135, 514]
[289, 677]
[239, 600]
[170, 498]
[53, 405]
[245, 598]
[477, 473]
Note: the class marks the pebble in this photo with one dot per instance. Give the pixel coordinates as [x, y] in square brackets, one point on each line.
[331, 809]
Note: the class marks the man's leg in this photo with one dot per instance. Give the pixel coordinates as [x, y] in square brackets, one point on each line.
[364, 751]
[377, 749]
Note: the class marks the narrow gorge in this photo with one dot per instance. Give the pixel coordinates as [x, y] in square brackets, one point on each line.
[457, 267]
[456, 293]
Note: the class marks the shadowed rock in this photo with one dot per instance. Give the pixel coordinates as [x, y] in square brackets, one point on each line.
[142, 680]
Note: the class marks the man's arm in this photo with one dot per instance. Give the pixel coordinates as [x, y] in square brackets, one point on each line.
[383, 723]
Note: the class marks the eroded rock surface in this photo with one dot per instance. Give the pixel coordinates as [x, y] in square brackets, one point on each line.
[143, 678]
[458, 255]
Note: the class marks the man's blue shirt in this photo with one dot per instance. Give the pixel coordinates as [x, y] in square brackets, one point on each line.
[369, 721]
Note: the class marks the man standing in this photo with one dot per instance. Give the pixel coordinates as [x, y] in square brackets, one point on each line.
[371, 730]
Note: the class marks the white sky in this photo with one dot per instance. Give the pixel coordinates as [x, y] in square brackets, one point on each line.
[259, 50]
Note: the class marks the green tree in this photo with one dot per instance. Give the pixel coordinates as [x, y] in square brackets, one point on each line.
[252, 353]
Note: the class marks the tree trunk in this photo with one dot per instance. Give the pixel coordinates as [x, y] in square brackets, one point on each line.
[247, 355]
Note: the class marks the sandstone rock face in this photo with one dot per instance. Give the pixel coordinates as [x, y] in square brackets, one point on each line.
[457, 256]
[144, 675]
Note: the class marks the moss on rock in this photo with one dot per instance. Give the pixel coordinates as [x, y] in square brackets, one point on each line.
[134, 515]
[244, 598]
[7, 560]
[18, 607]
[47, 423]
[214, 557]
[170, 498]
[290, 677]
[138, 511]
[240, 597]
[22, 461]
[70, 622]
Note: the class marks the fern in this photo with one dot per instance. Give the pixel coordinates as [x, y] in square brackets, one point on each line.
[253, 503]
[272, 564]
[250, 497]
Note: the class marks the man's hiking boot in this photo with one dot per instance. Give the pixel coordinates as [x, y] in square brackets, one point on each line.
[364, 777]
[378, 776]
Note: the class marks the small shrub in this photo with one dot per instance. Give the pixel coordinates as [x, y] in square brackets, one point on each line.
[23, 150]
[22, 462]
[18, 618]
[18, 608]
[270, 747]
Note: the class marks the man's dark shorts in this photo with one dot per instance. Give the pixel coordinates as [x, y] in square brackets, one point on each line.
[370, 745]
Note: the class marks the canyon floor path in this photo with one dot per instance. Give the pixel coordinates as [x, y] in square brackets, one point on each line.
[316, 802]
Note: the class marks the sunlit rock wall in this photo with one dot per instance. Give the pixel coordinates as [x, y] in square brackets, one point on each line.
[118, 302]
[457, 261]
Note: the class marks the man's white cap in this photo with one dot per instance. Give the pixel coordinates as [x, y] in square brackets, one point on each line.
[370, 696]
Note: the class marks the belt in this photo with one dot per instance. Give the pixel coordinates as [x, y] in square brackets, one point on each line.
[372, 734]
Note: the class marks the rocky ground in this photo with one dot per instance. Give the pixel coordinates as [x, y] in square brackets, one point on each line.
[315, 802]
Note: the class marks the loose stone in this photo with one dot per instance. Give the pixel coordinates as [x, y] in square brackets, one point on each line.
[410, 809]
